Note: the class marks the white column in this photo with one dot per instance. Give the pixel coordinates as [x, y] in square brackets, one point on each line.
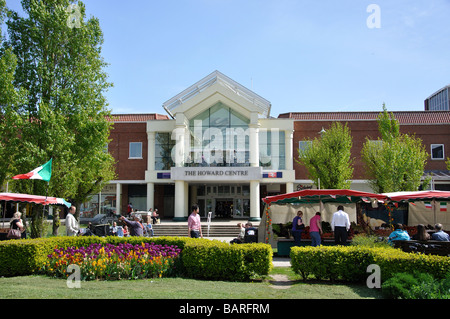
[288, 140]
[150, 196]
[151, 137]
[119, 198]
[254, 201]
[254, 145]
[289, 187]
[180, 208]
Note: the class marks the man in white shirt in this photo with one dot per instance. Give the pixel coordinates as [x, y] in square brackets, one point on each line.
[340, 224]
[72, 227]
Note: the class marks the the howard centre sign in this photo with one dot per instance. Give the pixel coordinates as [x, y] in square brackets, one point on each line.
[216, 173]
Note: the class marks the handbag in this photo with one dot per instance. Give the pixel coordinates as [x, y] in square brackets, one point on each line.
[14, 234]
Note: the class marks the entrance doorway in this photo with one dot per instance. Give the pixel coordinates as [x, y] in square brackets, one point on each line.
[224, 201]
[224, 208]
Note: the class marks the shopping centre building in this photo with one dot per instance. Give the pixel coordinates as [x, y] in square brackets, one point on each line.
[218, 145]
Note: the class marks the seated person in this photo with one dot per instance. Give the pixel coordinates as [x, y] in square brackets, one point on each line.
[148, 229]
[398, 234]
[251, 234]
[440, 234]
[155, 216]
[421, 233]
[114, 229]
[120, 231]
[241, 235]
[89, 231]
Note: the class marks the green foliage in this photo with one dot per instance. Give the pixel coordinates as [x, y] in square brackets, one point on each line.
[416, 285]
[26, 257]
[214, 260]
[368, 241]
[328, 159]
[52, 103]
[350, 263]
[200, 258]
[396, 161]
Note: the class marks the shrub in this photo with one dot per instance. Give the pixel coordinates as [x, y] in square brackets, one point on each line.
[350, 263]
[368, 241]
[206, 259]
[27, 256]
[200, 258]
[331, 262]
[416, 285]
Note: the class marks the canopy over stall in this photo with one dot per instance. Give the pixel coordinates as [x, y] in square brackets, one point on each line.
[281, 209]
[425, 207]
[42, 200]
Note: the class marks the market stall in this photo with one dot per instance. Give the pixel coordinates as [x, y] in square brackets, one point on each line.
[40, 200]
[281, 209]
[425, 207]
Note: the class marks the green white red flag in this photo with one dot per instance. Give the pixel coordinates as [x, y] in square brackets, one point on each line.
[43, 172]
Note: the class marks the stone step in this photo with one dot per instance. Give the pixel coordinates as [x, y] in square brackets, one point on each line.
[172, 229]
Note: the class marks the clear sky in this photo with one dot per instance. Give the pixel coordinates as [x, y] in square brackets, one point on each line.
[301, 55]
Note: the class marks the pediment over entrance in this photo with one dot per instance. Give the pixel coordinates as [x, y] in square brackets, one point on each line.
[213, 89]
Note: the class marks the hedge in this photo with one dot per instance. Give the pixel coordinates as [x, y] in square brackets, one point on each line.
[26, 256]
[349, 263]
[216, 260]
[200, 258]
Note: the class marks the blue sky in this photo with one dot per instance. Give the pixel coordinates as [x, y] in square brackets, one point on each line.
[300, 55]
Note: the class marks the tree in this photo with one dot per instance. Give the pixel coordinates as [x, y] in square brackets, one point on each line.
[64, 115]
[396, 161]
[10, 101]
[328, 159]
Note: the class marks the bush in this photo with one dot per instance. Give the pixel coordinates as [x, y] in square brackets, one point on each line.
[331, 262]
[416, 285]
[200, 258]
[369, 241]
[215, 260]
[350, 263]
[27, 256]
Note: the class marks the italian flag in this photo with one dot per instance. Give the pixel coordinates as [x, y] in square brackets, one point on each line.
[43, 172]
[443, 206]
[428, 205]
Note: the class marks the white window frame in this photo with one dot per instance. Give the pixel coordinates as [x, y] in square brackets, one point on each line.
[129, 150]
[443, 152]
[308, 143]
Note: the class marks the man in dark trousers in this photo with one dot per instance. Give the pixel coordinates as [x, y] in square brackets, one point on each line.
[340, 224]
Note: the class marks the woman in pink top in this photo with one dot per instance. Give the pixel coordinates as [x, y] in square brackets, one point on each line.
[315, 229]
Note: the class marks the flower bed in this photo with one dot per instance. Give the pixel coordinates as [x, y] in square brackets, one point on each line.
[113, 262]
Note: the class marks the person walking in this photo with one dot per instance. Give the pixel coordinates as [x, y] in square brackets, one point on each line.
[16, 223]
[315, 229]
[297, 228]
[194, 224]
[340, 224]
[72, 227]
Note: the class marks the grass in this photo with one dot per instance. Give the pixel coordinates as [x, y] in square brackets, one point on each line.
[41, 287]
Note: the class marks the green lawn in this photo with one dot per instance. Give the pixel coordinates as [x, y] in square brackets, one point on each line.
[39, 287]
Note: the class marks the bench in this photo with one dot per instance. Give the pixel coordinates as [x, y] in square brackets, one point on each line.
[428, 247]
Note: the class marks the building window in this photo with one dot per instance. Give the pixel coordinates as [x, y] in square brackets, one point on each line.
[135, 150]
[303, 146]
[272, 149]
[163, 151]
[437, 151]
[219, 137]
